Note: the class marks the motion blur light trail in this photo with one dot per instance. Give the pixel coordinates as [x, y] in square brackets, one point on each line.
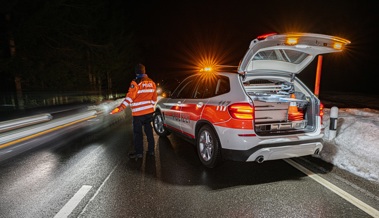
[10, 138]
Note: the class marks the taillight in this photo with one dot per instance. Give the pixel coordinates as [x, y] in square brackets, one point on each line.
[321, 113]
[243, 111]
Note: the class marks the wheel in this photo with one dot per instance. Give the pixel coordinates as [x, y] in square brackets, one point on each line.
[208, 147]
[158, 125]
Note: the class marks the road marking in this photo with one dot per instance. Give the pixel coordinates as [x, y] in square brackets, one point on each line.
[73, 202]
[358, 203]
[324, 171]
[98, 190]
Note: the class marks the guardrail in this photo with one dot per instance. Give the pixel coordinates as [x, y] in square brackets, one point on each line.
[17, 130]
[10, 137]
[23, 122]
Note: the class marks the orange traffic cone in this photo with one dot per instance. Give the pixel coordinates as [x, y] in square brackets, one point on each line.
[293, 112]
[292, 108]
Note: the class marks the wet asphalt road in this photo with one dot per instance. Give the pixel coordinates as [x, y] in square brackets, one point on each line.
[44, 180]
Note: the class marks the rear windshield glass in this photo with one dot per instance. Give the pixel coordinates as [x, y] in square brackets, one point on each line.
[285, 55]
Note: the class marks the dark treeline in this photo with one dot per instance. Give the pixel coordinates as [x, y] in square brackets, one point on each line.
[87, 45]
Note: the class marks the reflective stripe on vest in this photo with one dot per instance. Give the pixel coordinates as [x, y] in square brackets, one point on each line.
[142, 108]
[145, 91]
[129, 100]
[140, 103]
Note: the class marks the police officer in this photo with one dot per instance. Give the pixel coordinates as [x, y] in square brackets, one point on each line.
[141, 97]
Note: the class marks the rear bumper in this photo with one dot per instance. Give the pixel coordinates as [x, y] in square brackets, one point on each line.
[275, 151]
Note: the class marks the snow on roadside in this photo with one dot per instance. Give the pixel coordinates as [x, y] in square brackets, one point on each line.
[356, 145]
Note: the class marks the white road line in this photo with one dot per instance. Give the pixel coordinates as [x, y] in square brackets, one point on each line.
[358, 203]
[365, 192]
[98, 190]
[73, 202]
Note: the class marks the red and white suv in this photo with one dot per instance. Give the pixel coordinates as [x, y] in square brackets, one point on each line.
[260, 112]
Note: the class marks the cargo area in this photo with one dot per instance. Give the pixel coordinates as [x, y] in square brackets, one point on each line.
[280, 106]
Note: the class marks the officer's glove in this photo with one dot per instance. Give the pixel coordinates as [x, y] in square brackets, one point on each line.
[116, 110]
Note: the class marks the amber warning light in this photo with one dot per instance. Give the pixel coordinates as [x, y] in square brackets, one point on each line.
[339, 43]
[337, 46]
[207, 69]
[291, 41]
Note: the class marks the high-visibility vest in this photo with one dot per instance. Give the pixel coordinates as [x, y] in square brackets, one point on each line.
[141, 97]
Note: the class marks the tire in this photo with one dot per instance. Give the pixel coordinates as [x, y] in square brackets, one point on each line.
[159, 128]
[208, 147]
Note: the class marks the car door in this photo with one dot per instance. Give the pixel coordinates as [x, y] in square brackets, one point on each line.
[192, 109]
[173, 105]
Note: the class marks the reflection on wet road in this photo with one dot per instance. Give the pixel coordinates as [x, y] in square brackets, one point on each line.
[89, 166]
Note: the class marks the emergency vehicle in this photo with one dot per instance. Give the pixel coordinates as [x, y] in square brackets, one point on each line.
[261, 111]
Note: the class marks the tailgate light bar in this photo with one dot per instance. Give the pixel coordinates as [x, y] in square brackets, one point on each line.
[337, 45]
[336, 42]
[292, 41]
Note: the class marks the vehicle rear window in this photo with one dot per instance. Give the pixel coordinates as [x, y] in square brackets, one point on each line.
[286, 55]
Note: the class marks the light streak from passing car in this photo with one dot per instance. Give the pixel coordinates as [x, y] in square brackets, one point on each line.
[11, 138]
[25, 121]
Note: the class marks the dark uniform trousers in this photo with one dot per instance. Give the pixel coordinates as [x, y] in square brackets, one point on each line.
[145, 122]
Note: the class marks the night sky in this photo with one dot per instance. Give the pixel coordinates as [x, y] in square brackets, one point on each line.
[181, 33]
[177, 35]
